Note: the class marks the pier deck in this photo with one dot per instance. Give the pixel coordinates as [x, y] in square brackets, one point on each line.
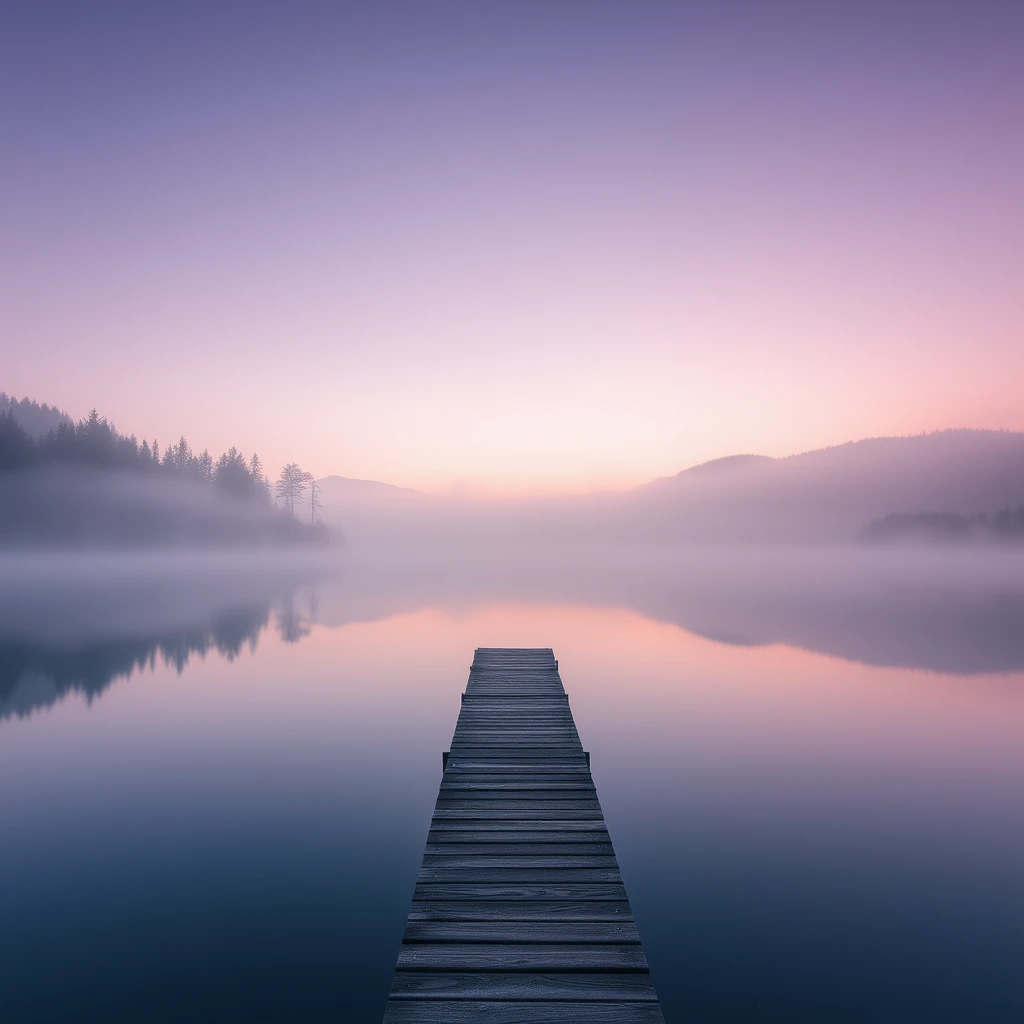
[519, 912]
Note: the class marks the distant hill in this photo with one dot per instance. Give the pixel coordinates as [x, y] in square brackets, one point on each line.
[716, 467]
[830, 493]
[348, 490]
[38, 420]
[368, 510]
[825, 495]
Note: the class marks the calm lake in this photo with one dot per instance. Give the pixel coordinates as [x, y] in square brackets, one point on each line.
[216, 774]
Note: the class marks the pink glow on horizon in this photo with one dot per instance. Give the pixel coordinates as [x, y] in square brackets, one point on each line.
[510, 257]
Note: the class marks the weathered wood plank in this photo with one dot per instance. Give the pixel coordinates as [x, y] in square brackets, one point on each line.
[516, 836]
[524, 815]
[511, 745]
[520, 910]
[464, 766]
[524, 723]
[557, 754]
[489, 849]
[523, 828]
[555, 715]
[519, 729]
[517, 876]
[576, 932]
[501, 740]
[485, 956]
[525, 794]
[511, 802]
[488, 737]
[546, 782]
[519, 891]
[452, 1011]
[516, 860]
[569, 790]
[567, 743]
[592, 986]
[564, 790]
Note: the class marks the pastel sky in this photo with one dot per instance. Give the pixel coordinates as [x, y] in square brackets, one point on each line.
[514, 246]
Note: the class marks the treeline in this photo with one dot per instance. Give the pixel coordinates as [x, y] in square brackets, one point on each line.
[1006, 525]
[35, 418]
[95, 442]
[86, 481]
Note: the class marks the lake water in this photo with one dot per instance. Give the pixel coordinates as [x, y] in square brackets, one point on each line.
[216, 776]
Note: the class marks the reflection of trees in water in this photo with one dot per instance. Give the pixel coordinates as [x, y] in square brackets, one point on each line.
[48, 674]
[292, 625]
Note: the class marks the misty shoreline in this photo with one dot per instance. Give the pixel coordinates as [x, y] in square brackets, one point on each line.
[64, 508]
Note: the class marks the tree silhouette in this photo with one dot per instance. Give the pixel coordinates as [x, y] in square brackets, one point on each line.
[259, 478]
[95, 444]
[181, 456]
[15, 444]
[231, 475]
[291, 485]
[38, 420]
[314, 500]
[202, 468]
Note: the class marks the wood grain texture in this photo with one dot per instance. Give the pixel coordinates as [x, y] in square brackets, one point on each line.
[519, 891]
[584, 829]
[487, 848]
[519, 913]
[520, 956]
[521, 910]
[517, 875]
[620, 932]
[518, 800]
[523, 855]
[430, 1011]
[584, 985]
[525, 816]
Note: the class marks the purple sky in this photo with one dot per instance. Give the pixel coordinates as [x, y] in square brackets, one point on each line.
[518, 246]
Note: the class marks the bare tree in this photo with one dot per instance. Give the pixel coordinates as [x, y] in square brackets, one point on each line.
[314, 500]
[291, 485]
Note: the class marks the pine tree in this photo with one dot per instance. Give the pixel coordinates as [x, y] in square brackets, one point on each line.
[291, 485]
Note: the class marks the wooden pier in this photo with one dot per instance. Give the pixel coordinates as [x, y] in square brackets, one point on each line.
[519, 913]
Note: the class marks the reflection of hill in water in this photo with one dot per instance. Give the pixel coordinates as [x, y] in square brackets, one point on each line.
[941, 634]
[957, 617]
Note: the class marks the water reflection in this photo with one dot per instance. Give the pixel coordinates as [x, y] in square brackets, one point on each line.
[34, 676]
[61, 636]
[56, 640]
[803, 837]
[958, 615]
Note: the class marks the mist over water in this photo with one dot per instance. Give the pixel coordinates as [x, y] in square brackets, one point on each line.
[219, 770]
